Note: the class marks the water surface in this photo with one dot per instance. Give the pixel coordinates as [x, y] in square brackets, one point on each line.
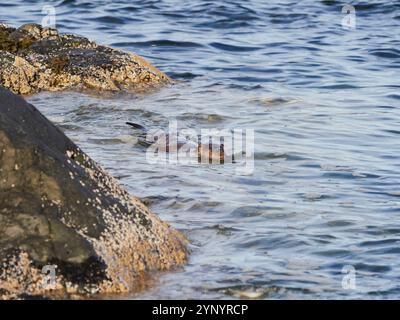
[324, 104]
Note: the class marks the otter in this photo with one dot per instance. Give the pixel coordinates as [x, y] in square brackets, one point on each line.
[215, 153]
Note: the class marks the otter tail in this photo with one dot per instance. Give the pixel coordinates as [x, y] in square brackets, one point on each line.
[136, 126]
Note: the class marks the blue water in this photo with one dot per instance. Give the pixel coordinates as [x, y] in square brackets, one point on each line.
[324, 104]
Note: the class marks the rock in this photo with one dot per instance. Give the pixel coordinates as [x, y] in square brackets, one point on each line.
[58, 207]
[33, 59]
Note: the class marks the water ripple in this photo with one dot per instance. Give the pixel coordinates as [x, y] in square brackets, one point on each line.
[323, 103]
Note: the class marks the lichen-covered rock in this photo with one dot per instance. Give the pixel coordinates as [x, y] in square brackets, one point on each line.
[58, 207]
[33, 59]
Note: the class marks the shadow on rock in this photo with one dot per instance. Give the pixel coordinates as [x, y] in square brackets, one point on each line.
[58, 207]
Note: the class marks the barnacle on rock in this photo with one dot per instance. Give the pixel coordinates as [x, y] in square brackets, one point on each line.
[59, 207]
[57, 62]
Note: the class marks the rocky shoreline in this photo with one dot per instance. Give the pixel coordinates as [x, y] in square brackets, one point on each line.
[35, 59]
[57, 206]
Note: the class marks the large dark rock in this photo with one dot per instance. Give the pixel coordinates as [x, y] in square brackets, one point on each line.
[33, 59]
[58, 207]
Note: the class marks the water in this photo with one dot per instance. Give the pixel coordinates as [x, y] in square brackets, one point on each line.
[324, 104]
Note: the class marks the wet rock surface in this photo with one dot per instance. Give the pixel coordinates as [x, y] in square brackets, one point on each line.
[58, 207]
[34, 59]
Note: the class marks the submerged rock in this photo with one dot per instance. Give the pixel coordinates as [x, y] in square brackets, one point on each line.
[58, 207]
[33, 59]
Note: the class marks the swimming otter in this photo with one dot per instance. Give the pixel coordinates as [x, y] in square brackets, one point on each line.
[215, 153]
